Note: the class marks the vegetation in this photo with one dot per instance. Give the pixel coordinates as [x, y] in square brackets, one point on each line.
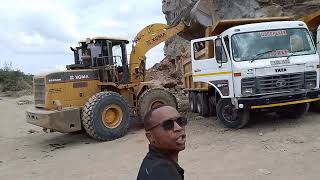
[14, 80]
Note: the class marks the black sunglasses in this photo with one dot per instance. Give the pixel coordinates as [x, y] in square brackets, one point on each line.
[169, 124]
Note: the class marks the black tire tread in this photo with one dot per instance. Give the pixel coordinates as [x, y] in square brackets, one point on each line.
[295, 111]
[245, 117]
[160, 92]
[87, 120]
[203, 102]
[193, 101]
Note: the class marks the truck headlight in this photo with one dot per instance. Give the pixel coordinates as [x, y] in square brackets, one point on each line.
[248, 86]
[311, 79]
[311, 84]
[248, 91]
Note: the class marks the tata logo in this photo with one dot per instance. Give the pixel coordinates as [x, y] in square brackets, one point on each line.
[281, 83]
[281, 70]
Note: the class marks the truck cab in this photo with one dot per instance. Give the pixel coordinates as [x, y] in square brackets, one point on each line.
[318, 40]
[253, 66]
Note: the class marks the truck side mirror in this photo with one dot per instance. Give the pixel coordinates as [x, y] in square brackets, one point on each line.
[218, 50]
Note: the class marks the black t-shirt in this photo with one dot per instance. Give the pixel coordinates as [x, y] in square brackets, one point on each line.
[156, 166]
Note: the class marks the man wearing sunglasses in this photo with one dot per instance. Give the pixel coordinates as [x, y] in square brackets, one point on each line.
[165, 130]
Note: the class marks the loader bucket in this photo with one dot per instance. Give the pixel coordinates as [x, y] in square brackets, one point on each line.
[201, 13]
[196, 14]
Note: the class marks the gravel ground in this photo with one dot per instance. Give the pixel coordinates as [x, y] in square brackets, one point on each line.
[270, 148]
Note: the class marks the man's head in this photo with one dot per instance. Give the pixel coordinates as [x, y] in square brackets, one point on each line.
[163, 130]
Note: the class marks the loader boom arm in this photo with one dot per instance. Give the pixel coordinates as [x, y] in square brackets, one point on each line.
[146, 39]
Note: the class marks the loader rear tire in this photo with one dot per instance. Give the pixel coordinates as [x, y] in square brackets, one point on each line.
[105, 116]
[153, 98]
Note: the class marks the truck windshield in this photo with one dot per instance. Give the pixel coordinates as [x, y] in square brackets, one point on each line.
[271, 44]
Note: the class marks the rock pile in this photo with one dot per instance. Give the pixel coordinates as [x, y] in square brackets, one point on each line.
[232, 9]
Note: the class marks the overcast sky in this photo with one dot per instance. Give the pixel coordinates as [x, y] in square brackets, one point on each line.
[35, 35]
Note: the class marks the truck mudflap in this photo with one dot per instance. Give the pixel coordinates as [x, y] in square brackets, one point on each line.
[64, 121]
[277, 100]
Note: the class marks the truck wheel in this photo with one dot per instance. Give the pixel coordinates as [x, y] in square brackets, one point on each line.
[106, 116]
[212, 106]
[315, 106]
[230, 116]
[294, 111]
[193, 102]
[202, 104]
[153, 98]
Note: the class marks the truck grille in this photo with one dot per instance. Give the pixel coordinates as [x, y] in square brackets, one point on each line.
[39, 87]
[279, 83]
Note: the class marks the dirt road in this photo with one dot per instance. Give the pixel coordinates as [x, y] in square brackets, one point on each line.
[272, 148]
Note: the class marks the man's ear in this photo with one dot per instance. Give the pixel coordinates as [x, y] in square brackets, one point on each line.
[150, 137]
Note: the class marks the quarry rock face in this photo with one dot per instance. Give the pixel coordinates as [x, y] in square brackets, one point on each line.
[168, 72]
[232, 9]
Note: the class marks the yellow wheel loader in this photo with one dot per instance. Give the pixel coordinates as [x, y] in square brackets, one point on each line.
[99, 90]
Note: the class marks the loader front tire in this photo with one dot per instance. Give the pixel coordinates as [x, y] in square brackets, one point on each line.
[105, 116]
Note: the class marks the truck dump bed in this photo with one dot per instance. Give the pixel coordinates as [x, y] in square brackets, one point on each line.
[312, 21]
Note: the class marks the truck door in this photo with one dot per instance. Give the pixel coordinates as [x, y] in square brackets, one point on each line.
[211, 64]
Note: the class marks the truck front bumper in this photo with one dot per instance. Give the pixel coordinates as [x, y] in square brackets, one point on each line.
[65, 120]
[277, 100]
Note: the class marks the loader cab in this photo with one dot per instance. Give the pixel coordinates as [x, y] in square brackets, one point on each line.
[108, 55]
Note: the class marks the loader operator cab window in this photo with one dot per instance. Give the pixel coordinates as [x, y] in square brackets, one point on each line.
[117, 55]
[85, 55]
[96, 52]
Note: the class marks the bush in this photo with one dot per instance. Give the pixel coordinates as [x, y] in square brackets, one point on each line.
[14, 80]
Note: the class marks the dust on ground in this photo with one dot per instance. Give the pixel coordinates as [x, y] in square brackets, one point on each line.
[270, 148]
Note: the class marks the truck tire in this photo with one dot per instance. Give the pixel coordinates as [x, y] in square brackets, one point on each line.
[212, 106]
[315, 106]
[202, 104]
[154, 97]
[294, 111]
[230, 116]
[193, 102]
[106, 116]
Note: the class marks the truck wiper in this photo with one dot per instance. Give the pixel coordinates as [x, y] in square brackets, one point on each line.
[293, 53]
[261, 54]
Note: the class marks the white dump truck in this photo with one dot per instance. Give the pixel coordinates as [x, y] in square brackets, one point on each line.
[251, 64]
